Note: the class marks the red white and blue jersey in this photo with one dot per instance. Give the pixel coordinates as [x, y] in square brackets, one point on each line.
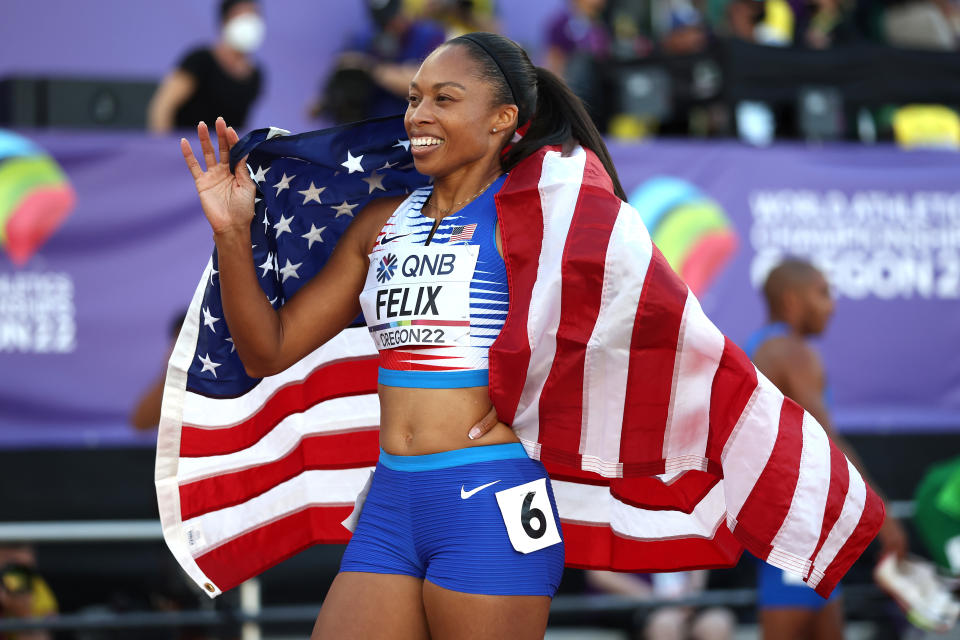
[434, 304]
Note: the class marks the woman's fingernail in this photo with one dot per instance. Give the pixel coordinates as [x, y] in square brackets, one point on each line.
[474, 433]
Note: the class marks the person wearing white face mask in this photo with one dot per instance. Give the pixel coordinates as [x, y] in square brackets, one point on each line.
[221, 80]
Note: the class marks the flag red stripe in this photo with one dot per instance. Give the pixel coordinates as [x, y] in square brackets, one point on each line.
[521, 232]
[653, 353]
[582, 269]
[255, 551]
[869, 524]
[839, 484]
[396, 358]
[767, 505]
[683, 494]
[338, 379]
[732, 387]
[328, 451]
[594, 546]
[574, 474]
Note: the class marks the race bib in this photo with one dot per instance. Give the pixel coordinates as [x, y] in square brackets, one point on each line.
[419, 295]
[528, 514]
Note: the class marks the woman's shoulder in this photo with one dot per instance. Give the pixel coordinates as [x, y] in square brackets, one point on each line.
[381, 207]
[199, 58]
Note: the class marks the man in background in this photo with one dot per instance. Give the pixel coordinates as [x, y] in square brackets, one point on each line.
[799, 305]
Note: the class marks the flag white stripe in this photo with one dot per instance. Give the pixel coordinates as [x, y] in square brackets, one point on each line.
[594, 504]
[853, 505]
[605, 370]
[559, 189]
[216, 413]
[310, 488]
[750, 444]
[340, 415]
[168, 439]
[810, 497]
[688, 421]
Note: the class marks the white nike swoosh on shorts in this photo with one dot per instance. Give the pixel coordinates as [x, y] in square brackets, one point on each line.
[466, 494]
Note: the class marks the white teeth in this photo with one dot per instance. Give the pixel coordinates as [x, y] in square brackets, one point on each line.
[427, 141]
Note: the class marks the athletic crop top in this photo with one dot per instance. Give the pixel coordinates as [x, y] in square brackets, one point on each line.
[434, 308]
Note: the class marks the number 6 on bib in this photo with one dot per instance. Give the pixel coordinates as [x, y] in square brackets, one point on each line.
[528, 514]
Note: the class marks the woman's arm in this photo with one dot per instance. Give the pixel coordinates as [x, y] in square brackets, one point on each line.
[267, 340]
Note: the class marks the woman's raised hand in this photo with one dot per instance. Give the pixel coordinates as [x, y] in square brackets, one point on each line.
[227, 198]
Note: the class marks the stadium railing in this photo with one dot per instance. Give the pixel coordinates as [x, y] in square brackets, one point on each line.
[566, 610]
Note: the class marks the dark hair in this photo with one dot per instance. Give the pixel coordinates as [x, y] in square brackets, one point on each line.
[789, 274]
[227, 5]
[555, 114]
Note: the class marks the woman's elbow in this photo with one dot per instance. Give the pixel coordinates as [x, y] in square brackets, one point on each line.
[260, 367]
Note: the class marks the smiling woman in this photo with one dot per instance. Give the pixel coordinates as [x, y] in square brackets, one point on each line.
[459, 530]
[539, 293]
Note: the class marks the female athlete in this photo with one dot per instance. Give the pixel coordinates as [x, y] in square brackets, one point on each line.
[455, 539]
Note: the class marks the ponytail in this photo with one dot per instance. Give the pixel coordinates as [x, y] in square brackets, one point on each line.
[560, 117]
[554, 113]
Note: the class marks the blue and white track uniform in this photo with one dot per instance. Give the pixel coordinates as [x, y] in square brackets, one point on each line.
[476, 520]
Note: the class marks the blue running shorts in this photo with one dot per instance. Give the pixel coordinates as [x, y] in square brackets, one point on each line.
[777, 589]
[454, 518]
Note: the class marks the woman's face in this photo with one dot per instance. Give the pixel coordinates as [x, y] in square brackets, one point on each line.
[450, 114]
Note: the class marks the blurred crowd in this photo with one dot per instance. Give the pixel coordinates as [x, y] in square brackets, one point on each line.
[651, 66]
[642, 66]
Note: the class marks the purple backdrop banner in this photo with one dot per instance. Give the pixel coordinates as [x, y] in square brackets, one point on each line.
[84, 322]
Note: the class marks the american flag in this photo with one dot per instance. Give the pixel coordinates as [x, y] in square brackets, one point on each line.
[463, 232]
[666, 448]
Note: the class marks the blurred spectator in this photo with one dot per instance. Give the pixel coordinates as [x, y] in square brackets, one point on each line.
[799, 306]
[23, 592]
[669, 622]
[579, 41]
[733, 18]
[222, 80]
[146, 414]
[813, 24]
[372, 76]
[937, 517]
[458, 16]
[575, 33]
[684, 31]
[922, 24]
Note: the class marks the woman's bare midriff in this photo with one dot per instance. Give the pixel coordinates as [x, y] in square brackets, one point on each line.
[415, 422]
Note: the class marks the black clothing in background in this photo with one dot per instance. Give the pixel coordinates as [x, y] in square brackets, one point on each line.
[217, 93]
